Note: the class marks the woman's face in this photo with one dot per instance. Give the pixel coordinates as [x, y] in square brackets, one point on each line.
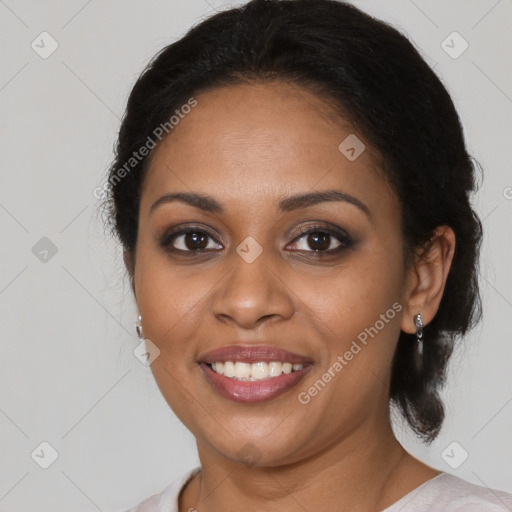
[328, 297]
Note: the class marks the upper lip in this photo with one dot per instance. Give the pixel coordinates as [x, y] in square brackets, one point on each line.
[252, 354]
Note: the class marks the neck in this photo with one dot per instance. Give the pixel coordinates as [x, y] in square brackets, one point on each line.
[361, 472]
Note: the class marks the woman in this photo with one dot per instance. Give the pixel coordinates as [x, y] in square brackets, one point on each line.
[292, 192]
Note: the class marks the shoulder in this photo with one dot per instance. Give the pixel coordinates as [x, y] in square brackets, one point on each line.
[467, 496]
[453, 494]
[167, 500]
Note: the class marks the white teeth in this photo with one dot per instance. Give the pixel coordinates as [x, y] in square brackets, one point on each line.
[218, 367]
[255, 371]
[229, 369]
[242, 370]
[259, 371]
[287, 367]
[275, 369]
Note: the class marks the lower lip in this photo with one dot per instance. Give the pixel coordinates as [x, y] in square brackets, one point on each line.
[250, 392]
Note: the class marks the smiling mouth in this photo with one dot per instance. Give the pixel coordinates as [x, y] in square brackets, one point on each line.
[251, 372]
[249, 390]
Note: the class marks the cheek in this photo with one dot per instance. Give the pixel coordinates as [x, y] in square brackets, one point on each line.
[358, 318]
[358, 315]
[354, 295]
[169, 298]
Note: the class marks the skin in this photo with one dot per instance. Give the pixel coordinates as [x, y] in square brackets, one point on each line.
[249, 146]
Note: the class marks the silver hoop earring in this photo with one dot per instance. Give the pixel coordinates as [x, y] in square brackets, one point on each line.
[138, 328]
[419, 334]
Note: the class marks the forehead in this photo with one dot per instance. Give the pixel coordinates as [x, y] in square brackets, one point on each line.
[250, 144]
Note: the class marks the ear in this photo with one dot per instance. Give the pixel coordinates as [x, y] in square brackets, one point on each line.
[426, 280]
[130, 267]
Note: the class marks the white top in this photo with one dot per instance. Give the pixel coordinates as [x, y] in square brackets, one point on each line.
[444, 492]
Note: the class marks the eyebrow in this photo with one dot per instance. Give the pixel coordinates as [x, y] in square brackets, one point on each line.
[288, 204]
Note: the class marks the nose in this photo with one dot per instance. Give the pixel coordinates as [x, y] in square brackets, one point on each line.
[252, 294]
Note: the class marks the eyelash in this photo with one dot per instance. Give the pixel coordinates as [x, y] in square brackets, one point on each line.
[345, 240]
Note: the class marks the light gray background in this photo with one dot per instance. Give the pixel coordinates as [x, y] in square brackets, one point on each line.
[68, 373]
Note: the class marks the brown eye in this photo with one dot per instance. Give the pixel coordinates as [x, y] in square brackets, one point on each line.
[190, 240]
[319, 241]
[322, 240]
